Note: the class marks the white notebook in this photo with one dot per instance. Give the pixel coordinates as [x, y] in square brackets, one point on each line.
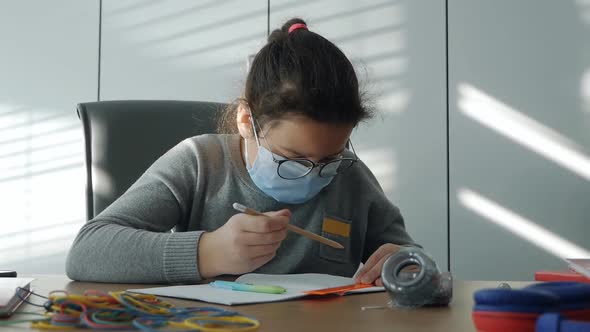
[9, 300]
[295, 284]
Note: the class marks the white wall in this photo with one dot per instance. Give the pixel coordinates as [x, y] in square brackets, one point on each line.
[48, 63]
[520, 136]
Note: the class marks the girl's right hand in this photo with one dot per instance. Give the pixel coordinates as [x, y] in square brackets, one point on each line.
[243, 244]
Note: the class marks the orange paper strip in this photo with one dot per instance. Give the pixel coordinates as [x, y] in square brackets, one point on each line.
[338, 290]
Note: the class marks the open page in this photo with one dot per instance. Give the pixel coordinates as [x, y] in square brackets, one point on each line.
[295, 284]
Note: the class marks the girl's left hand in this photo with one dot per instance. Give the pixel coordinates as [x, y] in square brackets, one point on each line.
[371, 271]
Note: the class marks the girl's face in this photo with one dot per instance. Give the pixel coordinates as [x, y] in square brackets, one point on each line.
[296, 137]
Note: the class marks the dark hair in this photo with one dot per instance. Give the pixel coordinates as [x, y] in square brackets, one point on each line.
[300, 73]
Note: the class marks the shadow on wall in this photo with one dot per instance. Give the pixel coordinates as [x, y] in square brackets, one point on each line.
[162, 50]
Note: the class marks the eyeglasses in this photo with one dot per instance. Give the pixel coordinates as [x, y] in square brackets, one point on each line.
[291, 169]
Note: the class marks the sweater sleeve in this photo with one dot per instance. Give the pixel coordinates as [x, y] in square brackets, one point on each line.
[132, 241]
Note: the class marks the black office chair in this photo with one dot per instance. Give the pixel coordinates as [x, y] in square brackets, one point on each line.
[123, 138]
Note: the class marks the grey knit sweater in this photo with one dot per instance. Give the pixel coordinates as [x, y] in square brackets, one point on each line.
[151, 233]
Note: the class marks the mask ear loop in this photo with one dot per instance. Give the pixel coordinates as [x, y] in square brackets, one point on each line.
[248, 166]
[246, 155]
[254, 128]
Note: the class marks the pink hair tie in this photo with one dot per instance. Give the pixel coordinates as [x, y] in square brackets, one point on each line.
[297, 26]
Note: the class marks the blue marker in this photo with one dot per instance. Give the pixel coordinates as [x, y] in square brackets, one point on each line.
[236, 286]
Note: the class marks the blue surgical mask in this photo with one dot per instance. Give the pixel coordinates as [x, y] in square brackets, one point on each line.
[265, 176]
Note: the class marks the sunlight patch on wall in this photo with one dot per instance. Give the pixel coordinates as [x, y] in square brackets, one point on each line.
[584, 10]
[520, 226]
[41, 182]
[585, 90]
[381, 161]
[522, 129]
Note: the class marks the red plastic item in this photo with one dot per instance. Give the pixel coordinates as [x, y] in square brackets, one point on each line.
[561, 276]
[490, 321]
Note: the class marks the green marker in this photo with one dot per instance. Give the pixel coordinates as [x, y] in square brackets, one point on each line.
[236, 286]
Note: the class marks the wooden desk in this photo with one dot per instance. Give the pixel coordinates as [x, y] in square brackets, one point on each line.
[323, 314]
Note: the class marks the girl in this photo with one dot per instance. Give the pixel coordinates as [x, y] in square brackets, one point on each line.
[300, 105]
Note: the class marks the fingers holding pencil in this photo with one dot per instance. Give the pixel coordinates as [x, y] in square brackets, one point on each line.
[293, 228]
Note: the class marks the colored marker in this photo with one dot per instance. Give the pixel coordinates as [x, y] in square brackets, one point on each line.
[237, 286]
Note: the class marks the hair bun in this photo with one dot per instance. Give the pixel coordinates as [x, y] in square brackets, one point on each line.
[283, 32]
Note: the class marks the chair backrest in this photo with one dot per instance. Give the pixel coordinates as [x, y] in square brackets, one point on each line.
[123, 138]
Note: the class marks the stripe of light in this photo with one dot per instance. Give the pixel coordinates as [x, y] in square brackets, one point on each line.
[520, 226]
[529, 133]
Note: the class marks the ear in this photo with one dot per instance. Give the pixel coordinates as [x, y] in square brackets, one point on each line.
[243, 121]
